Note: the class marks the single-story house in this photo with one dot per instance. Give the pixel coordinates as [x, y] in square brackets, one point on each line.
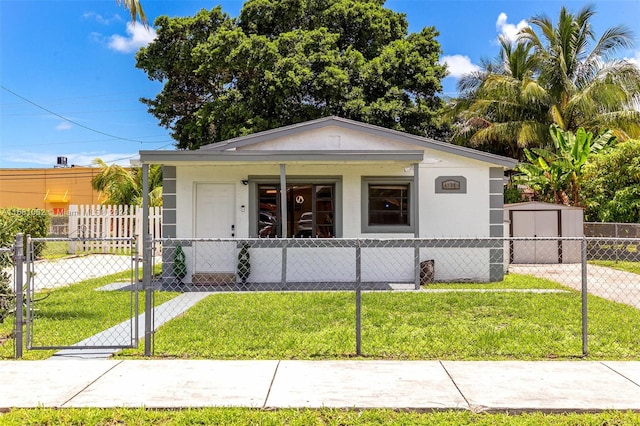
[343, 179]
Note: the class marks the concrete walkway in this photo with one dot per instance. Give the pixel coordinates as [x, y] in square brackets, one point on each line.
[122, 334]
[493, 386]
[608, 283]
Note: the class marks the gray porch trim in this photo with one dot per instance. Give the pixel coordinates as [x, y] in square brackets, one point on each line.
[496, 222]
[205, 157]
[496, 200]
[283, 200]
[496, 272]
[416, 200]
[169, 201]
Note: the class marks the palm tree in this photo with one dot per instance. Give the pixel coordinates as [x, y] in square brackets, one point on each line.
[135, 8]
[123, 186]
[499, 108]
[552, 78]
[587, 86]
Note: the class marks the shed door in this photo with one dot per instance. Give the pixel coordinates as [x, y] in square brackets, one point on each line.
[215, 213]
[538, 223]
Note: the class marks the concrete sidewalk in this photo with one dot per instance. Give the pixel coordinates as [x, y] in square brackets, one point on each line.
[494, 386]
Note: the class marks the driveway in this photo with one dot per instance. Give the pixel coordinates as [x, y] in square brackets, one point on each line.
[608, 283]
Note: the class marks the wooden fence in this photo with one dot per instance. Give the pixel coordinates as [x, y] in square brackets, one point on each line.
[98, 223]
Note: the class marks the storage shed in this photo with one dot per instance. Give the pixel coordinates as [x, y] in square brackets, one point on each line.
[538, 220]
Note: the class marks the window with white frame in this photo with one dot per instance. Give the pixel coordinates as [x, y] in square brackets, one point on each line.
[387, 204]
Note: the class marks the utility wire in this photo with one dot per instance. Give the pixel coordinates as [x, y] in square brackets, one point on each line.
[66, 119]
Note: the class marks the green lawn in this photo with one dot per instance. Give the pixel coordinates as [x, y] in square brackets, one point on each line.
[303, 417]
[451, 325]
[67, 315]
[402, 325]
[620, 265]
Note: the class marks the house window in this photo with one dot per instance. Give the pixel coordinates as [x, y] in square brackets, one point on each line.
[387, 205]
[310, 210]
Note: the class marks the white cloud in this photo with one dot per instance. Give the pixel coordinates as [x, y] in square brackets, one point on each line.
[509, 31]
[636, 60]
[137, 37]
[101, 19]
[64, 125]
[459, 65]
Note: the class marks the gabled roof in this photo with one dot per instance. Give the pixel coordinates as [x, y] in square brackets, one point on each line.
[226, 149]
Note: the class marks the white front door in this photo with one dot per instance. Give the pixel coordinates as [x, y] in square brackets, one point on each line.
[215, 218]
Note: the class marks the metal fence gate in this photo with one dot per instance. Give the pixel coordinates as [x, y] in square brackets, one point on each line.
[62, 299]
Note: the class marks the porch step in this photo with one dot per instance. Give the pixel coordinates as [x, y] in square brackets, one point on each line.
[213, 278]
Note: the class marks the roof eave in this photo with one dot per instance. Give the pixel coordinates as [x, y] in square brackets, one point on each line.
[246, 156]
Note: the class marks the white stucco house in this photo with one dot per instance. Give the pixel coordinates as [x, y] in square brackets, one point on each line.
[343, 179]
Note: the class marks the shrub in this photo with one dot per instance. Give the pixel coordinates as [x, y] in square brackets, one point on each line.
[6, 296]
[34, 222]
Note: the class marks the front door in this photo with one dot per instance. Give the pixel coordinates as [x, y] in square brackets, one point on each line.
[215, 218]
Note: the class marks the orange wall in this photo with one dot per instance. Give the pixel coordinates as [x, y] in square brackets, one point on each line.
[51, 189]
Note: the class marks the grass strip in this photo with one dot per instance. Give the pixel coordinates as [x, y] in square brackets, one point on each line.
[620, 265]
[304, 417]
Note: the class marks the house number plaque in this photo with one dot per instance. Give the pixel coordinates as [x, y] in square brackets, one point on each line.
[451, 185]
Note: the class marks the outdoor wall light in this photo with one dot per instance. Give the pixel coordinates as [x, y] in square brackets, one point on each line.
[245, 181]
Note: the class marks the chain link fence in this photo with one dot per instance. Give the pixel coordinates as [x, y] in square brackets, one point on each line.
[7, 296]
[465, 298]
[402, 295]
[75, 296]
[325, 264]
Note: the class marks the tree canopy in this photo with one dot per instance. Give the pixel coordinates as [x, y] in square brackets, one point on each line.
[611, 185]
[282, 62]
[558, 74]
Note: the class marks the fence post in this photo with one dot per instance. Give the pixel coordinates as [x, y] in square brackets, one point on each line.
[358, 300]
[416, 265]
[18, 256]
[148, 296]
[584, 296]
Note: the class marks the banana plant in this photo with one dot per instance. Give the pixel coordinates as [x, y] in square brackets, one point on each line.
[556, 175]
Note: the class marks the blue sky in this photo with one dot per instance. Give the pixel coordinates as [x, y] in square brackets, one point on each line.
[70, 87]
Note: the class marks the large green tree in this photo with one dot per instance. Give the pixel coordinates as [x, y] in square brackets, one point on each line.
[286, 61]
[569, 78]
[611, 185]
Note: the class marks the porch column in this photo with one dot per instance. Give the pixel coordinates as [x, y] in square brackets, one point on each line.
[416, 224]
[146, 260]
[283, 201]
[416, 200]
[145, 203]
